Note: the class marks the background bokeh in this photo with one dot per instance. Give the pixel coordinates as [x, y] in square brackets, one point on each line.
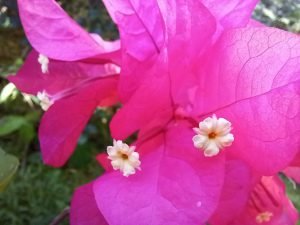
[37, 193]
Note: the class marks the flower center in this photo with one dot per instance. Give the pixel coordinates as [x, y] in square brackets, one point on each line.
[264, 217]
[123, 158]
[212, 135]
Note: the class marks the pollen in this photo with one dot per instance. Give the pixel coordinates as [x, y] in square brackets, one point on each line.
[44, 61]
[264, 217]
[124, 158]
[212, 135]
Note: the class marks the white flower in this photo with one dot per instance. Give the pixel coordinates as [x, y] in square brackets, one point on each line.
[44, 61]
[123, 158]
[45, 101]
[112, 68]
[213, 134]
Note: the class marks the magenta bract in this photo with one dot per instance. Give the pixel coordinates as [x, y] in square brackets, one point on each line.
[180, 63]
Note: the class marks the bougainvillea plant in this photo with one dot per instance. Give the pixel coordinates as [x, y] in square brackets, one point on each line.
[213, 96]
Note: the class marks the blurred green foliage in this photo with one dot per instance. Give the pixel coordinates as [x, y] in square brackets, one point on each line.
[8, 167]
[38, 193]
[284, 14]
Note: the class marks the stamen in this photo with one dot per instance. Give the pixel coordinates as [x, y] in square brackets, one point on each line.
[213, 134]
[45, 101]
[44, 61]
[123, 158]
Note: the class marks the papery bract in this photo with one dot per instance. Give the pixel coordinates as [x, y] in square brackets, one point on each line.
[192, 76]
[151, 79]
[263, 108]
[268, 204]
[53, 33]
[227, 12]
[259, 98]
[76, 89]
[63, 123]
[174, 182]
[62, 75]
[237, 185]
[84, 210]
[293, 173]
[181, 62]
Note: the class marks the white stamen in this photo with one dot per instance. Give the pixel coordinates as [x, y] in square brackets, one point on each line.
[213, 134]
[111, 68]
[45, 100]
[123, 158]
[44, 61]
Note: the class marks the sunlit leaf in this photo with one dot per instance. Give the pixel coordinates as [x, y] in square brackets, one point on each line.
[8, 91]
[8, 167]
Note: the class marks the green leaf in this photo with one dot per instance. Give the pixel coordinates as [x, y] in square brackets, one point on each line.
[8, 167]
[9, 124]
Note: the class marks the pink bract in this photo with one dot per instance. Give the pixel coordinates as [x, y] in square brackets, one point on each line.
[175, 182]
[53, 33]
[77, 89]
[248, 76]
[181, 62]
[84, 210]
[268, 198]
[196, 74]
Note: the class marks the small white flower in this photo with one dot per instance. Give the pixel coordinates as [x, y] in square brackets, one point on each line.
[264, 217]
[123, 158]
[45, 100]
[112, 68]
[44, 61]
[213, 134]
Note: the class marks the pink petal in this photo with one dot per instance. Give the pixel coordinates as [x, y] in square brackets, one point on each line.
[177, 185]
[236, 189]
[266, 128]
[255, 23]
[184, 37]
[269, 196]
[64, 121]
[61, 75]
[142, 34]
[231, 14]
[53, 33]
[140, 25]
[296, 160]
[84, 210]
[153, 79]
[150, 106]
[293, 172]
[104, 162]
[246, 63]
[186, 42]
[254, 83]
